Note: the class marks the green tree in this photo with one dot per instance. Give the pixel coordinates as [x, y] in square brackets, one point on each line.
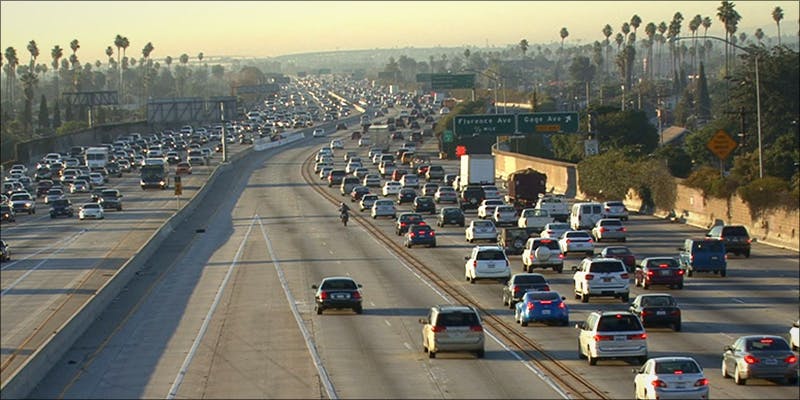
[582, 70]
[44, 114]
[650, 31]
[703, 105]
[56, 115]
[759, 34]
[523, 46]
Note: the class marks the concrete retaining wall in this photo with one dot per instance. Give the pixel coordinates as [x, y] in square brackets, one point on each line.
[781, 228]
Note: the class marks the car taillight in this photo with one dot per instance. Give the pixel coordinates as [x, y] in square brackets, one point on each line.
[691, 259]
[438, 328]
[515, 289]
[701, 382]
[546, 288]
[659, 383]
[402, 224]
[569, 241]
[600, 338]
[791, 359]
[546, 301]
[589, 277]
[475, 264]
[650, 273]
[411, 234]
[476, 328]
[562, 305]
[561, 256]
[644, 313]
[603, 229]
[531, 306]
[624, 276]
[751, 360]
[680, 272]
[323, 295]
[356, 295]
[638, 336]
[549, 232]
[608, 209]
[432, 233]
[622, 229]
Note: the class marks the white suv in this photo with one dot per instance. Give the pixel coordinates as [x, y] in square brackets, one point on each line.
[452, 328]
[612, 334]
[487, 262]
[542, 253]
[601, 277]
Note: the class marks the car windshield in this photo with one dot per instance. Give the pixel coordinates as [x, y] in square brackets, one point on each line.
[734, 231]
[677, 366]
[60, 203]
[550, 244]
[338, 284]
[658, 301]
[663, 263]
[490, 255]
[529, 279]
[535, 296]
[711, 246]
[615, 204]
[618, 251]
[457, 319]
[578, 234]
[606, 267]
[767, 344]
[90, 205]
[619, 322]
[451, 211]
[483, 224]
[611, 222]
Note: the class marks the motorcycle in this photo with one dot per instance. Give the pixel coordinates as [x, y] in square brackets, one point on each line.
[344, 217]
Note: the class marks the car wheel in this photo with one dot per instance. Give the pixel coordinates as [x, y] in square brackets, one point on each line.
[358, 310]
[679, 286]
[747, 253]
[480, 353]
[738, 378]
[645, 286]
[522, 321]
[724, 370]
[590, 359]
[689, 272]
[431, 354]
[581, 356]
[559, 269]
[584, 297]
[52, 216]
[676, 327]
[319, 310]
[723, 273]
[433, 244]
[624, 240]
[626, 298]
[565, 322]
[641, 359]
[472, 280]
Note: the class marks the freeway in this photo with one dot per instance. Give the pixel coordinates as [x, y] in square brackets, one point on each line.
[58, 264]
[229, 312]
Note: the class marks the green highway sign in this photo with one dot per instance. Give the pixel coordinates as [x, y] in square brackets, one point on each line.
[548, 122]
[451, 81]
[489, 124]
[447, 136]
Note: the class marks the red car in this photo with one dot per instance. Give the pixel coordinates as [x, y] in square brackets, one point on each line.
[398, 173]
[422, 169]
[620, 253]
[659, 271]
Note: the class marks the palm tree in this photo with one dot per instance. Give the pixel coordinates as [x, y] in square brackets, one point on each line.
[607, 32]
[706, 24]
[636, 21]
[11, 73]
[662, 29]
[742, 37]
[759, 35]
[168, 61]
[730, 19]
[73, 60]
[34, 50]
[673, 32]
[626, 29]
[523, 45]
[466, 55]
[200, 56]
[777, 15]
[650, 31]
[563, 33]
[694, 25]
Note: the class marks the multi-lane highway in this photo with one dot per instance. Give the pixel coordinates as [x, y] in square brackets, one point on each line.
[228, 311]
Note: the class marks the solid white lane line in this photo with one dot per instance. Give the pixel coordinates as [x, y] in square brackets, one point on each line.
[25, 275]
[11, 264]
[173, 391]
[527, 364]
[312, 347]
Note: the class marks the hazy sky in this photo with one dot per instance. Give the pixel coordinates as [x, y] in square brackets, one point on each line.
[267, 28]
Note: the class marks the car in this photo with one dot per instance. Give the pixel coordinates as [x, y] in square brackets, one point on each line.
[434, 173]
[406, 195]
[7, 213]
[386, 168]
[424, 204]
[609, 229]
[351, 167]
[541, 306]
[173, 157]
[610, 335]
[518, 284]
[622, 253]
[445, 194]
[595, 277]
[794, 335]
[341, 126]
[90, 210]
[658, 271]
[336, 144]
[193, 160]
[670, 378]
[43, 186]
[96, 179]
[338, 292]
[335, 177]
[124, 165]
[5, 251]
[615, 209]
[657, 309]
[53, 194]
[406, 219]
[367, 201]
[383, 208]
[348, 183]
[450, 216]
[323, 162]
[576, 241]
[391, 188]
[703, 255]
[487, 262]
[491, 192]
[371, 180]
[398, 173]
[452, 327]
[542, 253]
[361, 172]
[358, 193]
[486, 208]
[23, 202]
[410, 181]
[111, 199]
[183, 168]
[364, 141]
[420, 234]
[319, 132]
[429, 189]
[736, 238]
[534, 218]
[480, 230]
[759, 356]
[504, 216]
[79, 186]
[471, 197]
[61, 207]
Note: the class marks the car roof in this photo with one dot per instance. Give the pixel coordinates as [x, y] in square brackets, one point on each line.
[454, 307]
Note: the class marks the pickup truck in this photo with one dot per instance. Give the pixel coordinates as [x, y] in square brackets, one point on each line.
[521, 283]
[556, 206]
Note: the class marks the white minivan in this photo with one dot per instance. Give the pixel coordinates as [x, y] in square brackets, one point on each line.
[585, 215]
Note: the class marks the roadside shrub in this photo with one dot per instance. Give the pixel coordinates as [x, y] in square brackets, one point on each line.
[767, 193]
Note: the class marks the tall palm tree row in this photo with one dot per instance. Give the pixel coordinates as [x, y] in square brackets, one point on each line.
[730, 18]
[11, 74]
[607, 32]
[777, 15]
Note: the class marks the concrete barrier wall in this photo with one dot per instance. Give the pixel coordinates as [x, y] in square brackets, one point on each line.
[780, 228]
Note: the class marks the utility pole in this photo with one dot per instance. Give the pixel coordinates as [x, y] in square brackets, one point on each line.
[224, 133]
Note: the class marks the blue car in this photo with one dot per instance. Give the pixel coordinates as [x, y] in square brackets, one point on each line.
[538, 306]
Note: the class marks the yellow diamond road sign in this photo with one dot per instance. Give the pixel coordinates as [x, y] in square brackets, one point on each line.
[721, 144]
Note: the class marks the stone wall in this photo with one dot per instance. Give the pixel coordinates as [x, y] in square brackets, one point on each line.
[780, 228]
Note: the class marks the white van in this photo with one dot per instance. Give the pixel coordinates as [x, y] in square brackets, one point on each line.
[585, 215]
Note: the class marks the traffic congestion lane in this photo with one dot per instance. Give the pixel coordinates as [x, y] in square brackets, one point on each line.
[45, 284]
[251, 346]
[716, 309]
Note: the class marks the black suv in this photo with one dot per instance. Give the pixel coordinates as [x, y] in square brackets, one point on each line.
[424, 204]
[61, 207]
[736, 238]
[450, 216]
[471, 197]
[435, 172]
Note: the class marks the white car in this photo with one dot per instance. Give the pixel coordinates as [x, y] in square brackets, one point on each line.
[324, 171]
[576, 242]
[351, 166]
[609, 229]
[97, 179]
[612, 334]
[487, 207]
[410, 181]
[542, 253]
[320, 164]
[671, 378]
[487, 262]
[79, 186]
[391, 188]
[364, 141]
[491, 192]
[319, 132]
[367, 201]
[372, 180]
[480, 230]
[615, 209]
[534, 218]
[504, 215]
[383, 208]
[554, 230]
[794, 335]
[607, 277]
[336, 144]
[91, 210]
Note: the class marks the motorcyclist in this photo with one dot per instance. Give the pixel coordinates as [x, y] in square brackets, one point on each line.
[344, 211]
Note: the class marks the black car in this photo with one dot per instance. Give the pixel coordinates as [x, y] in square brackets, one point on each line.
[657, 310]
[173, 159]
[43, 186]
[114, 170]
[424, 204]
[521, 283]
[61, 207]
[406, 195]
[6, 213]
[450, 216]
[435, 173]
[736, 238]
[449, 179]
[341, 126]
[471, 197]
[5, 252]
[111, 199]
[405, 220]
[420, 234]
[338, 292]
[357, 193]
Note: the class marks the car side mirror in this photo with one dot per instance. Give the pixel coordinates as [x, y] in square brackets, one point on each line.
[423, 321]
[753, 240]
[580, 325]
[575, 268]
[466, 258]
[796, 324]
[635, 370]
[314, 286]
[563, 298]
[360, 286]
[679, 248]
[708, 235]
[727, 348]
